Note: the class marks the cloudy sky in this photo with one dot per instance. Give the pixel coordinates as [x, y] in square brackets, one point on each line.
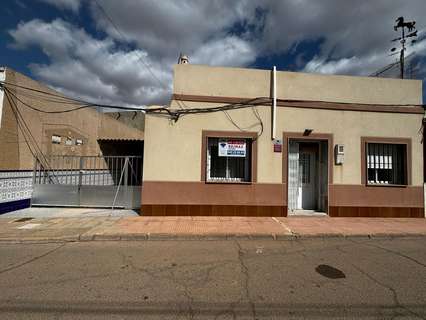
[74, 47]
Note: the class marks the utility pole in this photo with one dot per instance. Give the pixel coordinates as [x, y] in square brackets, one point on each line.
[401, 24]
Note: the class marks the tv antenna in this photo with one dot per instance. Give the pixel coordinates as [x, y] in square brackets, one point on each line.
[412, 32]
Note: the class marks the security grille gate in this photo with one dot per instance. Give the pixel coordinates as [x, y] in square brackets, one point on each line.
[88, 181]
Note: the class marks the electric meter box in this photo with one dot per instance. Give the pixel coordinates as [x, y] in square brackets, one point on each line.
[339, 154]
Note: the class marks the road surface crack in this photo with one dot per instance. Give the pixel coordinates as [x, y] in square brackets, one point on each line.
[245, 272]
[392, 290]
[394, 252]
[32, 259]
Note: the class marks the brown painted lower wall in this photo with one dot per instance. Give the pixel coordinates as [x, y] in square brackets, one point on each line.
[201, 193]
[375, 201]
[214, 210]
[377, 212]
[161, 198]
[343, 195]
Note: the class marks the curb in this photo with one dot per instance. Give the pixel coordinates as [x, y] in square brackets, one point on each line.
[206, 237]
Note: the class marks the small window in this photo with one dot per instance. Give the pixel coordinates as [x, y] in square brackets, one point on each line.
[228, 160]
[69, 141]
[56, 139]
[78, 142]
[386, 163]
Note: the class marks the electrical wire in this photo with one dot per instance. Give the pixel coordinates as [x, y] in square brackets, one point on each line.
[44, 111]
[123, 38]
[20, 119]
[236, 125]
[5, 83]
[260, 123]
[176, 114]
[35, 150]
[22, 123]
[256, 113]
[67, 100]
[245, 129]
[84, 106]
[41, 97]
[16, 117]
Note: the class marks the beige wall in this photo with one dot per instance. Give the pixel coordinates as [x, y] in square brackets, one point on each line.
[251, 83]
[9, 138]
[173, 150]
[121, 125]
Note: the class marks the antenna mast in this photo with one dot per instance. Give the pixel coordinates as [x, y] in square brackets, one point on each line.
[401, 24]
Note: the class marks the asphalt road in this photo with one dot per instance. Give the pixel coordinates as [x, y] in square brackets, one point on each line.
[311, 279]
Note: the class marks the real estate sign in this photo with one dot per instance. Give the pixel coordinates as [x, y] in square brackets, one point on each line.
[232, 148]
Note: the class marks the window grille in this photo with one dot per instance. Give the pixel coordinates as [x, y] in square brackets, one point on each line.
[386, 163]
[305, 168]
[235, 168]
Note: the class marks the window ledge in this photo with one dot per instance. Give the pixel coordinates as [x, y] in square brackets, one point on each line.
[386, 185]
[228, 182]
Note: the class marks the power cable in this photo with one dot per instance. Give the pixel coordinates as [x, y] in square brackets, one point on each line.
[16, 117]
[20, 118]
[41, 97]
[44, 111]
[26, 132]
[5, 83]
[72, 109]
[173, 114]
[123, 38]
[23, 123]
[84, 104]
[176, 114]
[245, 129]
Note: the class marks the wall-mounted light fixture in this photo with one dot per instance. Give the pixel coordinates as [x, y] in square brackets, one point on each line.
[307, 132]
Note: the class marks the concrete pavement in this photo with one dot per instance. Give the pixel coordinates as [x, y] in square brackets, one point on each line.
[60, 229]
[68, 212]
[330, 278]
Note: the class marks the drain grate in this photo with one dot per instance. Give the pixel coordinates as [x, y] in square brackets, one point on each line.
[23, 219]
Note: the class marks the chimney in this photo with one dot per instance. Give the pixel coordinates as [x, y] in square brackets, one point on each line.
[183, 59]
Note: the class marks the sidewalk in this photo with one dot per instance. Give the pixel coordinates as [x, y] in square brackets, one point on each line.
[206, 228]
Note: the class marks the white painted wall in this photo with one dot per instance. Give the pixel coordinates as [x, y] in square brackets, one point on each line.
[2, 78]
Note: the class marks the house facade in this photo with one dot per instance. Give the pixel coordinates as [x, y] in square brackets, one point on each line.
[28, 137]
[296, 144]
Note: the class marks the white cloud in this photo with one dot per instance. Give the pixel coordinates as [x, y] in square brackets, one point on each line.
[73, 5]
[229, 51]
[92, 68]
[361, 65]
[355, 36]
[165, 28]
[354, 39]
[160, 29]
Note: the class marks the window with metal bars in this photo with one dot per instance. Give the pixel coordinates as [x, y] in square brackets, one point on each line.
[386, 163]
[305, 168]
[231, 166]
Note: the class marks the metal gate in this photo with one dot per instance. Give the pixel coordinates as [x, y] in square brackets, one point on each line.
[88, 181]
[293, 175]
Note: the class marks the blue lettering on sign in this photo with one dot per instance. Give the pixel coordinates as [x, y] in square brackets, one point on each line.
[236, 153]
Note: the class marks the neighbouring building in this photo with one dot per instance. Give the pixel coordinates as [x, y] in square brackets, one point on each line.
[74, 146]
[344, 146]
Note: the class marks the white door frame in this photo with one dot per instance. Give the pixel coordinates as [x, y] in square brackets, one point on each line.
[327, 150]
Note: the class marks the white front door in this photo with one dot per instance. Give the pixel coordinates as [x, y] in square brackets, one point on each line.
[306, 194]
